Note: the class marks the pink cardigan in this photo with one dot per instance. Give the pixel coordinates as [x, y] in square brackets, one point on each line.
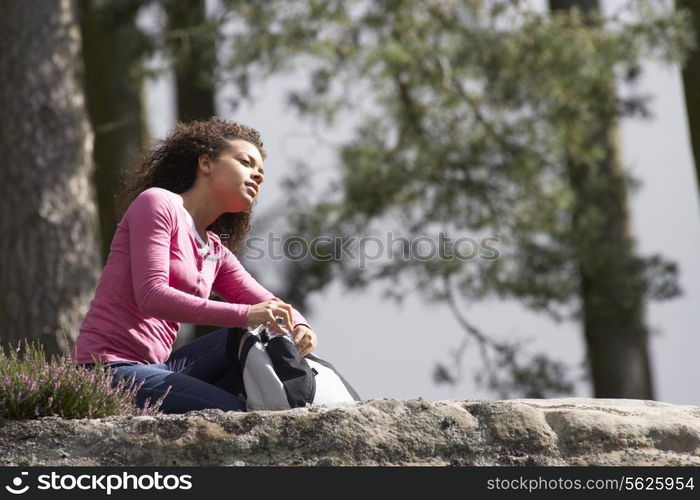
[155, 279]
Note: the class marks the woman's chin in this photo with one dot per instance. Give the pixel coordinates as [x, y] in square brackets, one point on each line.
[252, 200]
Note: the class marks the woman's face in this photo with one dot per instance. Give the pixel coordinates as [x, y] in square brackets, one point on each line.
[236, 175]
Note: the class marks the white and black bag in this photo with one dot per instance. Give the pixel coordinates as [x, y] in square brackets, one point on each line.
[274, 376]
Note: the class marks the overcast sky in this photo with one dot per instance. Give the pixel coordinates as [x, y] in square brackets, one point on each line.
[386, 350]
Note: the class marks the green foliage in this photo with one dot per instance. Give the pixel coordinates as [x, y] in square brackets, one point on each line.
[477, 108]
[476, 117]
[31, 387]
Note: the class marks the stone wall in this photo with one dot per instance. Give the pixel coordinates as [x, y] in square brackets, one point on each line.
[572, 431]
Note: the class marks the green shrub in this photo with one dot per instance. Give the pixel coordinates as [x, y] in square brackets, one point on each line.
[31, 387]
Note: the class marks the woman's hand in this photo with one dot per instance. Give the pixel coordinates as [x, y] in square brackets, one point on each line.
[267, 312]
[305, 339]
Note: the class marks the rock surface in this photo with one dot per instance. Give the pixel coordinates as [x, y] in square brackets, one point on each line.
[572, 431]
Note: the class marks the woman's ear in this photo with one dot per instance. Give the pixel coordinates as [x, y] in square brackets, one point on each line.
[204, 163]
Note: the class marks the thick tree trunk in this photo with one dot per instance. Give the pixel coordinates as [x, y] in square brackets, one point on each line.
[50, 244]
[612, 286]
[113, 47]
[193, 48]
[691, 84]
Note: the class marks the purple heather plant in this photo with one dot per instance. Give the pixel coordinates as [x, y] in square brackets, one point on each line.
[31, 387]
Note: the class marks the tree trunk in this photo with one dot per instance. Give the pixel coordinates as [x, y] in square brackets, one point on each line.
[612, 285]
[113, 48]
[193, 49]
[691, 84]
[50, 243]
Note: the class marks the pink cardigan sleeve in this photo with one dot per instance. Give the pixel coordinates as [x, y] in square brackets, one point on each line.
[234, 284]
[151, 225]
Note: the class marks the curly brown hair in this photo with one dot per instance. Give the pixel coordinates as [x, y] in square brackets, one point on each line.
[172, 164]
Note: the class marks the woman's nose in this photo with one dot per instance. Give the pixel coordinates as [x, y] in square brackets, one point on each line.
[257, 177]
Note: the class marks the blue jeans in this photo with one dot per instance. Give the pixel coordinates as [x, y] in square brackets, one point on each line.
[200, 374]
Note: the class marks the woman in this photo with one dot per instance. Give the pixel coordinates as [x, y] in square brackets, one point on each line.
[189, 206]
